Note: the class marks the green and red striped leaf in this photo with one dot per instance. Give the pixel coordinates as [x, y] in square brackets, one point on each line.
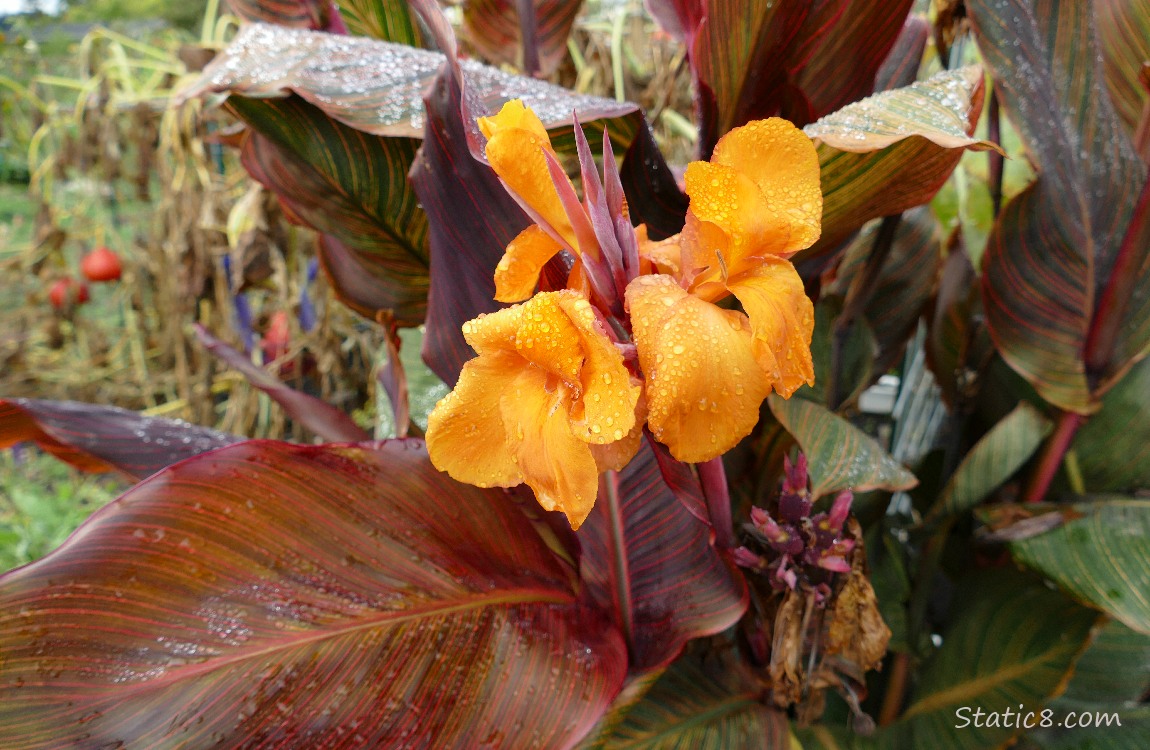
[904, 285]
[851, 52]
[840, 456]
[386, 20]
[536, 45]
[651, 563]
[1095, 551]
[286, 596]
[1050, 254]
[1124, 36]
[993, 460]
[801, 59]
[893, 151]
[1013, 641]
[702, 707]
[1113, 446]
[352, 187]
[104, 438]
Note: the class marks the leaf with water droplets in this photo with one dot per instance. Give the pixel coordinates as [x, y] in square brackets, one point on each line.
[290, 596]
[892, 151]
[104, 438]
[840, 455]
[1049, 258]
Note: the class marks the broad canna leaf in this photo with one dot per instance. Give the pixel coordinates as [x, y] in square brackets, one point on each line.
[662, 595]
[1124, 37]
[678, 18]
[904, 59]
[1113, 446]
[1095, 551]
[893, 151]
[840, 455]
[352, 187]
[856, 355]
[386, 20]
[1013, 642]
[993, 460]
[850, 54]
[1050, 255]
[276, 595]
[317, 415]
[104, 438]
[904, 285]
[359, 139]
[536, 44]
[693, 707]
[1109, 679]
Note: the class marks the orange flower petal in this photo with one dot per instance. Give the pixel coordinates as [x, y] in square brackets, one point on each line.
[782, 321]
[556, 464]
[615, 456]
[782, 161]
[664, 256]
[494, 332]
[516, 140]
[606, 411]
[547, 338]
[465, 432]
[518, 271]
[704, 387]
[725, 197]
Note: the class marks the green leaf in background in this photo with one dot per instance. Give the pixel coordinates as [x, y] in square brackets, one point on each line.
[1110, 678]
[386, 20]
[1098, 552]
[1013, 642]
[840, 455]
[892, 151]
[904, 285]
[1051, 252]
[303, 596]
[352, 187]
[992, 461]
[495, 29]
[1124, 35]
[693, 707]
[1113, 446]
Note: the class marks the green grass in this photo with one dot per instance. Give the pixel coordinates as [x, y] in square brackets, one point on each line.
[42, 501]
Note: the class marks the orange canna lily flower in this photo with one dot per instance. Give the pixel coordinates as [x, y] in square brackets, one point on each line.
[548, 402]
[708, 369]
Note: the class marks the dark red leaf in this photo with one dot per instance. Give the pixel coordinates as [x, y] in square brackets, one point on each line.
[652, 564]
[902, 63]
[300, 14]
[653, 195]
[270, 595]
[679, 18]
[104, 438]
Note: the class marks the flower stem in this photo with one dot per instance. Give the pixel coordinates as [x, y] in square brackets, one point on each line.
[609, 492]
[713, 478]
[1051, 458]
[895, 689]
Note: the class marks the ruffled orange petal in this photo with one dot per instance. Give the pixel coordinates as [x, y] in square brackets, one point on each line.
[729, 200]
[518, 271]
[606, 411]
[782, 322]
[556, 464]
[704, 387]
[615, 456]
[547, 338]
[664, 256]
[494, 332]
[515, 142]
[465, 431]
[782, 161]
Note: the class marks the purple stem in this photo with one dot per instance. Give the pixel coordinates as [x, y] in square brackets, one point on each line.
[713, 477]
[1051, 458]
[609, 493]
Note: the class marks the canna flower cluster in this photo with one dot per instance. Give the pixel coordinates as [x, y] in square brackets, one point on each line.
[644, 332]
[799, 549]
